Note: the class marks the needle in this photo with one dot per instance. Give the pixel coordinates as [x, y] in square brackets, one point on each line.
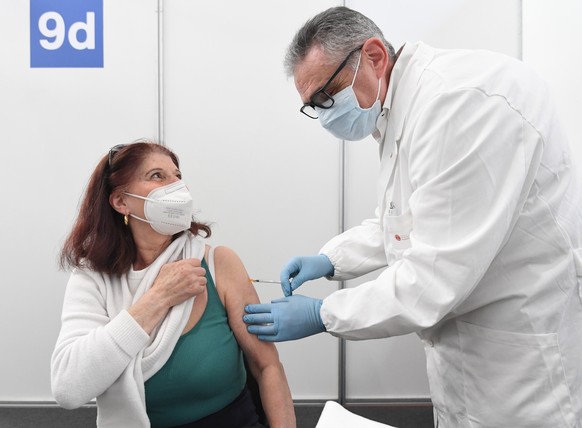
[269, 281]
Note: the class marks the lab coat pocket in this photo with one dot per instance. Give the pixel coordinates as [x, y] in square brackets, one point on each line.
[398, 229]
[514, 379]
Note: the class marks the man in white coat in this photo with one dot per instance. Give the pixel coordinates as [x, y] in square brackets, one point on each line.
[478, 227]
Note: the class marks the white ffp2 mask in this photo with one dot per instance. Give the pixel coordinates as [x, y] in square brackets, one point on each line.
[168, 209]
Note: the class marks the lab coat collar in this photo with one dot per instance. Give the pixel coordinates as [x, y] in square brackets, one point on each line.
[404, 74]
[382, 121]
[404, 80]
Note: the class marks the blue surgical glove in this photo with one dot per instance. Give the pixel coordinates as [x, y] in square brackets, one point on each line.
[289, 318]
[301, 269]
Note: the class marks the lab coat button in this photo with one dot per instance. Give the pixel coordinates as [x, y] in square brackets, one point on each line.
[391, 154]
[397, 237]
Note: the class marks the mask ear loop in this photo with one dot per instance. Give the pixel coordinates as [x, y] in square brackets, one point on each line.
[145, 198]
[141, 219]
[379, 86]
[357, 68]
[356, 73]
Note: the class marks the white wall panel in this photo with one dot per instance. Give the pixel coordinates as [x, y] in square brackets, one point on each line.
[264, 174]
[471, 24]
[56, 123]
[395, 368]
[551, 39]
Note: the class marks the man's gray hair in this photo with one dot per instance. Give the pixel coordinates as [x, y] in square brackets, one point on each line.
[337, 31]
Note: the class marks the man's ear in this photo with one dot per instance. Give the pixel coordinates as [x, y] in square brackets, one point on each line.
[376, 53]
[117, 202]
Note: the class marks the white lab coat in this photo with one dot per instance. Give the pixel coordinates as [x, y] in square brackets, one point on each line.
[479, 232]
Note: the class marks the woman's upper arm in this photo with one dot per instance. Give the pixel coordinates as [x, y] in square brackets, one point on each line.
[236, 291]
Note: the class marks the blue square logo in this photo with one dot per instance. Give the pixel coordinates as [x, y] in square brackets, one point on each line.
[66, 33]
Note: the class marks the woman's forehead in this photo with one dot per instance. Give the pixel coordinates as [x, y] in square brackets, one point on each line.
[157, 160]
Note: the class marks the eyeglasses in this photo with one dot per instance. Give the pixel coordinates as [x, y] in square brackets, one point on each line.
[114, 150]
[321, 98]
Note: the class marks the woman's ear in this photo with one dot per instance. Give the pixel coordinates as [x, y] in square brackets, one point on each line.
[377, 54]
[117, 202]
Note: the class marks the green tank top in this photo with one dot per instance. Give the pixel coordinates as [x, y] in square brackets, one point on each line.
[204, 373]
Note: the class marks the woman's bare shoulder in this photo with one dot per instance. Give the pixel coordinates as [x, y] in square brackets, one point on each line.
[229, 268]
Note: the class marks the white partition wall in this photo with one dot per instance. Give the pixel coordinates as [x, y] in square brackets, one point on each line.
[56, 123]
[272, 182]
[551, 37]
[261, 172]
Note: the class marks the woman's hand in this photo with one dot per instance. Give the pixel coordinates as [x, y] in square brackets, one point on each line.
[176, 282]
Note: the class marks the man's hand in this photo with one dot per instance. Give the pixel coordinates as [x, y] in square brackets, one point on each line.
[289, 318]
[301, 269]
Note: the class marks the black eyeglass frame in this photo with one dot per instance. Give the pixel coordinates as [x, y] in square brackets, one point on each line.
[114, 150]
[312, 103]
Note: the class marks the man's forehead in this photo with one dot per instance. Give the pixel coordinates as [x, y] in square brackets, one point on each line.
[313, 71]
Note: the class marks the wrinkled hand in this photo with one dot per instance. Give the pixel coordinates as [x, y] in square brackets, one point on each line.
[178, 281]
[289, 318]
[301, 269]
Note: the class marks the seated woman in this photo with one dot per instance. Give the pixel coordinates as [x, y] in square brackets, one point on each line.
[152, 317]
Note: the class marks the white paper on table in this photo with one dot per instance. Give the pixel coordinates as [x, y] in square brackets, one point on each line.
[336, 416]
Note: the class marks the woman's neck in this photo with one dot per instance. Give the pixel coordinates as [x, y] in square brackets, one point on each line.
[148, 250]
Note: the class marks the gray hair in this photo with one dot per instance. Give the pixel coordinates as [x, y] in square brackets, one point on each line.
[337, 31]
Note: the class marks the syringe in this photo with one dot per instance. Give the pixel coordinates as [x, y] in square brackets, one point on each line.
[268, 281]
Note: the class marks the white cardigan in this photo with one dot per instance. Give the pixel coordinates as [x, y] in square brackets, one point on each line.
[103, 352]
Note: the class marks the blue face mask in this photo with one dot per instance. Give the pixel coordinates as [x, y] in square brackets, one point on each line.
[346, 119]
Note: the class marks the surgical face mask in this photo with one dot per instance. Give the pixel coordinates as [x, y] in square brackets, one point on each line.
[168, 209]
[346, 119]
